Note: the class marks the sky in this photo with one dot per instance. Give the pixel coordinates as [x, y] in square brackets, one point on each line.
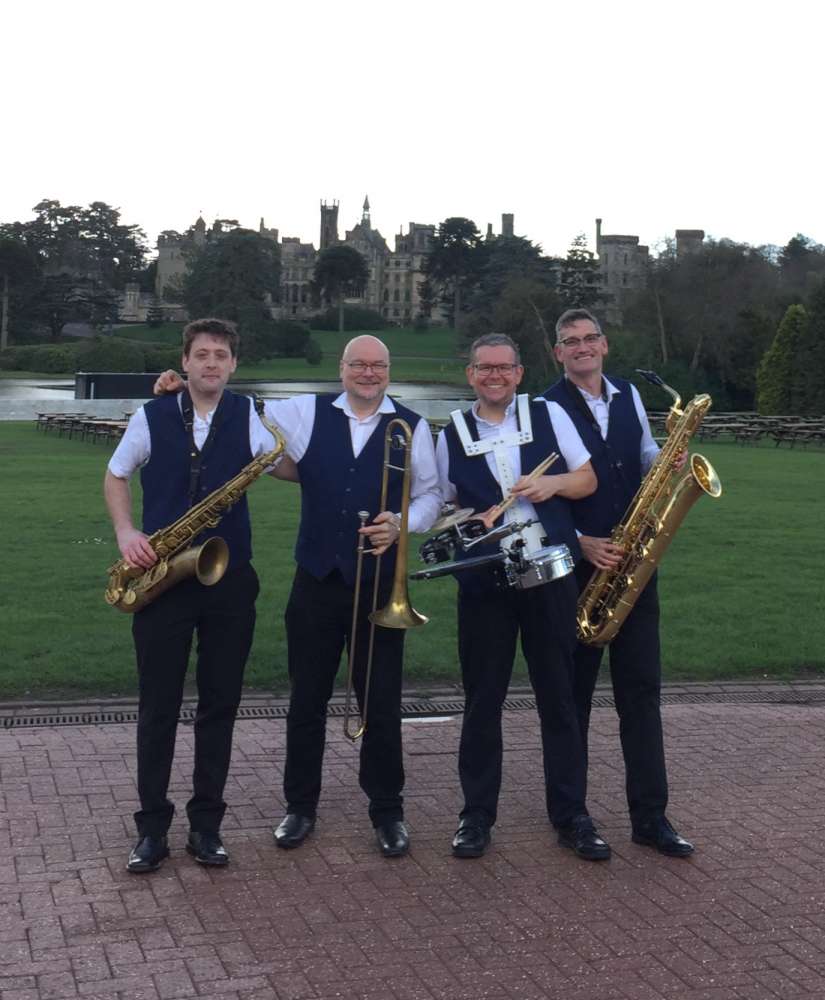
[653, 116]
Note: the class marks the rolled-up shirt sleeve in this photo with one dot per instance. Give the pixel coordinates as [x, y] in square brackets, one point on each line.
[425, 494]
[134, 447]
[294, 418]
[571, 445]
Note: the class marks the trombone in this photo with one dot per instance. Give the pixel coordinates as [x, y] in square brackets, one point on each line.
[397, 612]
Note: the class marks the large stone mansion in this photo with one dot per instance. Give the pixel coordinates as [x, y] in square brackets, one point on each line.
[395, 276]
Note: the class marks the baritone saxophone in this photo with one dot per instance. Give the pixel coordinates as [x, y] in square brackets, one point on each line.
[649, 523]
[131, 588]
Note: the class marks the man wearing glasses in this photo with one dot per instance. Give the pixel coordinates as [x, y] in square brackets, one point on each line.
[611, 420]
[483, 455]
[337, 445]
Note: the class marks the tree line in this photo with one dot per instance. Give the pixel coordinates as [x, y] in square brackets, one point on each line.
[746, 324]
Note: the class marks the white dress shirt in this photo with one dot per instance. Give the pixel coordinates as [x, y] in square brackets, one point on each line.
[571, 448]
[135, 447]
[600, 408]
[295, 418]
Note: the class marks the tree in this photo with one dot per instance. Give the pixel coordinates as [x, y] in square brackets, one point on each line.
[526, 310]
[516, 293]
[89, 242]
[19, 279]
[340, 272]
[801, 265]
[233, 276]
[775, 376]
[810, 358]
[579, 284]
[453, 263]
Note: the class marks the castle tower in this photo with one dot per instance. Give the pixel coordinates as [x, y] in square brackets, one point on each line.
[688, 241]
[507, 224]
[598, 237]
[365, 215]
[329, 225]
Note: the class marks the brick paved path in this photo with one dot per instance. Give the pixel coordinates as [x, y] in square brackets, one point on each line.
[744, 919]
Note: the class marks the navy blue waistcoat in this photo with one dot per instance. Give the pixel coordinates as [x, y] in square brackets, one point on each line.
[335, 485]
[165, 477]
[616, 461]
[476, 486]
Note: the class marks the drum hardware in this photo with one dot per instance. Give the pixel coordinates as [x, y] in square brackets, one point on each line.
[457, 566]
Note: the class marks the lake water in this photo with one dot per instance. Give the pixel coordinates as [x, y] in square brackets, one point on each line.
[64, 389]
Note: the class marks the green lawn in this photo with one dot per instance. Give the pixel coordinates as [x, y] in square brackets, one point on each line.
[741, 587]
[417, 357]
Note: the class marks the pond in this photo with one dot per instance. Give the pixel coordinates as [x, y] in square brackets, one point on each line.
[62, 388]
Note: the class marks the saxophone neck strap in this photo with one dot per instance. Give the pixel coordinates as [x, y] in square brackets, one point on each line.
[581, 403]
[196, 454]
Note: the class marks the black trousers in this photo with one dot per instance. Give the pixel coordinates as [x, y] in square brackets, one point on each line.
[636, 675]
[224, 618]
[318, 624]
[488, 626]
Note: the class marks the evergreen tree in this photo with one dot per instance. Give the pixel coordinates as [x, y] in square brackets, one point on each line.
[340, 272]
[454, 261]
[810, 361]
[776, 374]
[579, 285]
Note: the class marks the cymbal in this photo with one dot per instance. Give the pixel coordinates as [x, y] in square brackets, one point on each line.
[451, 520]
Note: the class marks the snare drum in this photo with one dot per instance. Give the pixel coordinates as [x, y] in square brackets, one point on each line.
[543, 566]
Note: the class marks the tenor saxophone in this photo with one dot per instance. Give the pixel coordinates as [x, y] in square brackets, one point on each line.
[649, 523]
[131, 588]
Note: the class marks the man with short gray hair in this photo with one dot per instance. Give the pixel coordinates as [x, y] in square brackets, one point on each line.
[609, 416]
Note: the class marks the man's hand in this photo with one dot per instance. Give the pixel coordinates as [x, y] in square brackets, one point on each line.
[536, 490]
[168, 382]
[383, 531]
[488, 517]
[601, 552]
[680, 461]
[135, 548]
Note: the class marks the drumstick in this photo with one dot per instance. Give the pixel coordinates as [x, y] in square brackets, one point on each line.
[539, 470]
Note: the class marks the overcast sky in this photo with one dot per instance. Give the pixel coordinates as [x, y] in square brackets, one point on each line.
[652, 115]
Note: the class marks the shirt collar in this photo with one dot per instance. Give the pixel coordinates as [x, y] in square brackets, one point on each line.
[610, 389]
[508, 413]
[386, 406]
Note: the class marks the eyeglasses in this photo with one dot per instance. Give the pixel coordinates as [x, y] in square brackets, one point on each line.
[588, 338]
[379, 367]
[500, 369]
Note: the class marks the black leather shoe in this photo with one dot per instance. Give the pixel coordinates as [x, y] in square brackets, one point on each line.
[293, 830]
[580, 836]
[471, 839]
[660, 834]
[207, 849]
[147, 855]
[392, 838]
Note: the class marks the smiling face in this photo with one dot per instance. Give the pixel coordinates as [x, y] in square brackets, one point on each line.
[208, 364]
[365, 372]
[494, 375]
[582, 359]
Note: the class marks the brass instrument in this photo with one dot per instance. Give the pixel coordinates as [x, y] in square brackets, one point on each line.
[649, 523]
[398, 612]
[131, 588]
